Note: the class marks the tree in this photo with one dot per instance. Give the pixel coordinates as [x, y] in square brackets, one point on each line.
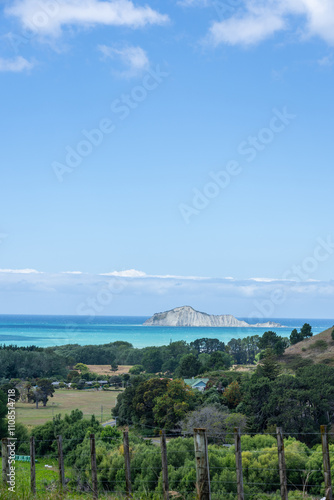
[152, 360]
[20, 363]
[113, 362]
[41, 392]
[189, 366]
[82, 367]
[73, 376]
[208, 346]
[298, 403]
[296, 337]
[270, 340]
[172, 355]
[237, 351]
[250, 347]
[268, 366]
[218, 361]
[23, 388]
[124, 408]
[256, 394]
[332, 334]
[144, 399]
[232, 395]
[136, 369]
[115, 380]
[306, 330]
[174, 404]
[111, 432]
[216, 421]
[114, 366]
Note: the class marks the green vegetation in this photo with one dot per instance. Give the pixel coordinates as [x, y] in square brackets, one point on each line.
[19, 362]
[305, 332]
[68, 363]
[270, 340]
[259, 457]
[319, 344]
[3, 413]
[286, 391]
[41, 392]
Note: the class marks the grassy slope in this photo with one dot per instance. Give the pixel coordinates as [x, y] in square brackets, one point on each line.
[319, 349]
[63, 401]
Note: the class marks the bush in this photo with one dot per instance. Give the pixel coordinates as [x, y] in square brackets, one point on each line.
[321, 345]
[136, 370]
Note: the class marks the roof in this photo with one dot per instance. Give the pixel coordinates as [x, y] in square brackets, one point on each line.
[195, 381]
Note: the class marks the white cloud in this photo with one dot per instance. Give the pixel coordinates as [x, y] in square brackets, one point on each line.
[48, 17]
[15, 65]
[125, 290]
[20, 271]
[193, 3]
[133, 273]
[134, 59]
[263, 280]
[246, 30]
[263, 18]
[71, 272]
[326, 61]
[129, 273]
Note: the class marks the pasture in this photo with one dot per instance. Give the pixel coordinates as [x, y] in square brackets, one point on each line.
[90, 402]
[106, 370]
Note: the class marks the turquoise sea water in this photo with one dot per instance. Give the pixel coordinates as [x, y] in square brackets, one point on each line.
[47, 331]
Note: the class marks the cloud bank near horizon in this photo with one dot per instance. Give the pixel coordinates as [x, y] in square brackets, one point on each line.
[133, 292]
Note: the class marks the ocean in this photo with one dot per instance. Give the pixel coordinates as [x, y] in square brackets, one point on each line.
[47, 331]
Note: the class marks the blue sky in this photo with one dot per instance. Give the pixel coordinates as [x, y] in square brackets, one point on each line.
[173, 140]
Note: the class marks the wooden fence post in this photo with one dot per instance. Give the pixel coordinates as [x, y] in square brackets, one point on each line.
[5, 464]
[202, 465]
[238, 462]
[165, 483]
[93, 466]
[61, 463]
[32, 466]
[326, 462]
[126, 448]
[281, 463]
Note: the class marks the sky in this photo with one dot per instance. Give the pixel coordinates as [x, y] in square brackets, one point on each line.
[157, 154]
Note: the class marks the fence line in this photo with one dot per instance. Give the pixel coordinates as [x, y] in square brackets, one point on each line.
[201, 459]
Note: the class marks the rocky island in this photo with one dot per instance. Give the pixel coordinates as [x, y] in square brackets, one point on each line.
[187, 316]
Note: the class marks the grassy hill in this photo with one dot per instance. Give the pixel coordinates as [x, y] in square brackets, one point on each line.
[317, 349]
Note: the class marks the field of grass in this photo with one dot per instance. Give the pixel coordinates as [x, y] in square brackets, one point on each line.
[106, 369]
[90, 402]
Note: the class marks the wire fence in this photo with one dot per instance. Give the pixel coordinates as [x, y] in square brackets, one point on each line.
[174, 468]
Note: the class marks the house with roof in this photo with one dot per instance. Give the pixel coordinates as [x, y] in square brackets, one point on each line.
[197, 383]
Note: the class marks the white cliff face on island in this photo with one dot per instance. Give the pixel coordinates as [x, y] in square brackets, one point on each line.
[187, 316]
